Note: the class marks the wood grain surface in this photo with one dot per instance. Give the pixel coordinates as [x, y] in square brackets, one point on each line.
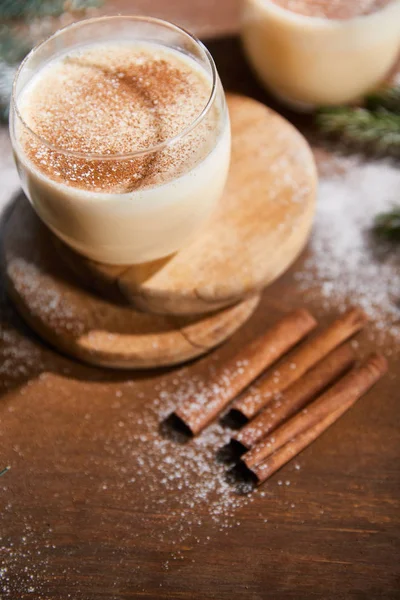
[91, 328]
[91, 510]
[261, 225]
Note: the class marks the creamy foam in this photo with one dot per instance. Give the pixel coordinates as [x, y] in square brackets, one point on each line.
[333, 9]
[117, 99]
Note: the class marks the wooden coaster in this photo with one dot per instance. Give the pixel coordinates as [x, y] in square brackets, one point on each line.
[262, 223]
[88, 327]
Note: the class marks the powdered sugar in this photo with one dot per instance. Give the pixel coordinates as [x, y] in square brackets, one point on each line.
[24, 551]
[347, 265]
[19, 355]
[41, 297]
[187, 472]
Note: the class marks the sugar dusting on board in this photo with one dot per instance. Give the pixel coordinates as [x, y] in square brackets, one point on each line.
[43, 296]
[19, 356]
[347, 266]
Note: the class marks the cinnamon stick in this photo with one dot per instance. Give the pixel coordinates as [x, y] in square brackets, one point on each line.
[287, 441]
[231, 378]
[301, 361]
[297, 396]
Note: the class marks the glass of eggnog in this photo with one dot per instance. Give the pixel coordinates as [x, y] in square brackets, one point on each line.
[121, 137]
[321, 52]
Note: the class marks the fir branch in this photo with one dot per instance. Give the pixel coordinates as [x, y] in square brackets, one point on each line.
[14, 45]
[387, 225]
[13, 48]
[12, 51]
[16, 9]
[387, 98]
[377, 131]
[7, 73]
[21, 9]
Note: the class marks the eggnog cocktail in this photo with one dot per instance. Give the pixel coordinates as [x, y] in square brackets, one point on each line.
[121, 137]
[321, 52]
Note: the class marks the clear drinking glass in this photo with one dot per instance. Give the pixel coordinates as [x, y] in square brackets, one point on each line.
[116, 216]
[310, 61]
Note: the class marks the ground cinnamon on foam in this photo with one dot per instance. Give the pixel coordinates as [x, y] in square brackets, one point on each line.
[333, 9]
[116, 99]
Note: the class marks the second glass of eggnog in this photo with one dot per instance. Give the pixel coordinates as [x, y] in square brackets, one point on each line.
[321, 52]
[121, 137]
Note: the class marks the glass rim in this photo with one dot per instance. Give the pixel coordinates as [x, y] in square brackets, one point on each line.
[134, 153]
[329, 22]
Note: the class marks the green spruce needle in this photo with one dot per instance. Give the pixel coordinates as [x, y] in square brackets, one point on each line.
[387, 98]
[17, 9]
[374, 128]
[4, 471]
[387, 225]
[377, 131]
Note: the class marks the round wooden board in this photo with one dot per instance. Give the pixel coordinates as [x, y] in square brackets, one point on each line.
[79, 322]
[261, 225]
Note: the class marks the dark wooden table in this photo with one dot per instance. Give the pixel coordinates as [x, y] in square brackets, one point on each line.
[93, 508]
